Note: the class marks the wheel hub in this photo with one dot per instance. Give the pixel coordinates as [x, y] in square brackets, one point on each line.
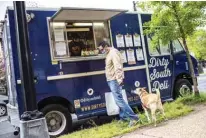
[52, 122]
[185, 90]
[2, 110]
[56, 122]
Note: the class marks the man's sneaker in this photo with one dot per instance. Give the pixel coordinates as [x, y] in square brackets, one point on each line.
[133, 123]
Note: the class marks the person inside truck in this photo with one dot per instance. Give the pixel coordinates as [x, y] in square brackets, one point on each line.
[115, 76]
[75, 48]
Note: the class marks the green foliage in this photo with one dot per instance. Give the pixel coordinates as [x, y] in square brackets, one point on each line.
[192, 100]
[172, 20]
[197, 44]
[174, 109]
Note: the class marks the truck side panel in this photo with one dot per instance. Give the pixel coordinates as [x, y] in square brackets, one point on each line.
[68, 88]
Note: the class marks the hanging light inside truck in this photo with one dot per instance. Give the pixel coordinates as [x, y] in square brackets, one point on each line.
[82, 24]
[89, 24]
[58, 24]
[99, 24]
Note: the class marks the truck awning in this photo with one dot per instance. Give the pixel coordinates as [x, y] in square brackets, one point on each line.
[79, 14]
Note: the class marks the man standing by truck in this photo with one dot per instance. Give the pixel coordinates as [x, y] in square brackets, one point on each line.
[115, 77]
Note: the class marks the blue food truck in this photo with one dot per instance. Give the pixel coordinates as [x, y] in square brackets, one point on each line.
[69, 71]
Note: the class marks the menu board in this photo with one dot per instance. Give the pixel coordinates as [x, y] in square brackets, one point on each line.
[139, 54]
[120, 40]
[128, 40]
[61, 49]
[124, 57]
[137, 40]
[59, 34]
[131, 57]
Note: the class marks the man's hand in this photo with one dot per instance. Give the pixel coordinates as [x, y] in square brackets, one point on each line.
[121, 82]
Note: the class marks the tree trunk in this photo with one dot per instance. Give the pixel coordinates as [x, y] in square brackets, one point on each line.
[191, 68]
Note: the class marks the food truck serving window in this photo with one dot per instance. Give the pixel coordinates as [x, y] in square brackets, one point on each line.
[75, 34]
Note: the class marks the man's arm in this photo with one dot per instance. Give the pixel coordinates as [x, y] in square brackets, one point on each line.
[118, 67]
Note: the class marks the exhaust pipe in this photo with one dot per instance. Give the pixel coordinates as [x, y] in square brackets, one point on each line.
[16, 131]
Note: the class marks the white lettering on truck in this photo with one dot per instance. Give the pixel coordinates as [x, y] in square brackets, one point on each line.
[83, 100]
[166, 72]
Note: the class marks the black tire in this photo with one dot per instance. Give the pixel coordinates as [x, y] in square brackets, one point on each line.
[181, 84]
[62, 113]
[3, 110]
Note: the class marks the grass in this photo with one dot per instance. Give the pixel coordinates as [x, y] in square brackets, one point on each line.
[182, 106]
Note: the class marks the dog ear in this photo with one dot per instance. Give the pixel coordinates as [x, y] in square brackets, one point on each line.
[144, 88]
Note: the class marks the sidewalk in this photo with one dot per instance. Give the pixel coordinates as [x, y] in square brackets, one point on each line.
[6, 130]
[190, 126]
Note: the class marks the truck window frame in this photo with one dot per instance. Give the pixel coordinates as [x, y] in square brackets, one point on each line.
[159, 55]
[68, 58]
[179, 52]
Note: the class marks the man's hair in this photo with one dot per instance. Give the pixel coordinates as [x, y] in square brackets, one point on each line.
[104, 43]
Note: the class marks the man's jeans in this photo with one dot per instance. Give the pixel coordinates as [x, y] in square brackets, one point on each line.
[125, 110]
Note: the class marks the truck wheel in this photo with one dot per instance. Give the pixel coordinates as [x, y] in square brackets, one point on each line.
[182, 88]
[58, 119]
[2, 110]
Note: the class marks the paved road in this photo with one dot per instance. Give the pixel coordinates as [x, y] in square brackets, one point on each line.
[6, 130]
[202, 83]
[191, 126]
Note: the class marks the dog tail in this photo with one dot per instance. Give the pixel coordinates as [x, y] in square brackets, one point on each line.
[158, 93]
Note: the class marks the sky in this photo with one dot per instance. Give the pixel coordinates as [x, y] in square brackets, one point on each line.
[107, 4]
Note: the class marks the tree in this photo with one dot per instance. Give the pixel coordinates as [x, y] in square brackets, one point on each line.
[197, 44]
[172, 20]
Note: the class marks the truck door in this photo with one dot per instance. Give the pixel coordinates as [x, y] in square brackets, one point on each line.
[160, 64]
[180, 59]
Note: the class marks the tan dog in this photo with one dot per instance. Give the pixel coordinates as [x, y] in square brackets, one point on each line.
[150, 101]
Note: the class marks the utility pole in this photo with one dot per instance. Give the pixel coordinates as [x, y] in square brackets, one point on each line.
[26, 71]
[31, 115]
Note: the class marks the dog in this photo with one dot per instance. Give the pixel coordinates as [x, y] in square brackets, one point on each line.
[150, 102]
